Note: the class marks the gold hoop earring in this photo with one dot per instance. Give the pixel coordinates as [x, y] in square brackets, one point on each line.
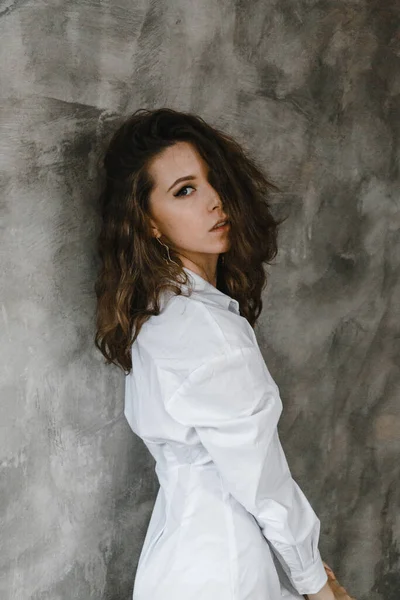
[169, 257]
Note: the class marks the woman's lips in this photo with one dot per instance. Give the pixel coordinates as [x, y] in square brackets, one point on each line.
[221, 228]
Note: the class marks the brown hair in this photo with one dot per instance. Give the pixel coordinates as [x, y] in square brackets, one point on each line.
[134, 270]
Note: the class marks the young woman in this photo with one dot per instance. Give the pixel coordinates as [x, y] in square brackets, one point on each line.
[186, 232]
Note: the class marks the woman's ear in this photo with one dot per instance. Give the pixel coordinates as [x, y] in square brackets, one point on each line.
[152, 228]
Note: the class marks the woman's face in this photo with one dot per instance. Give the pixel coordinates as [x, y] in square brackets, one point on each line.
[183, 212]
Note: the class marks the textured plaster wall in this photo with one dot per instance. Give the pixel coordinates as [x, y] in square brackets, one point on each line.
[312, 90]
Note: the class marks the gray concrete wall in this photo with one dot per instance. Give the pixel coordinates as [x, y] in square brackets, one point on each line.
[312, 89]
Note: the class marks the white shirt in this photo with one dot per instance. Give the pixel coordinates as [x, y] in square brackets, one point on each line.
[229, 521]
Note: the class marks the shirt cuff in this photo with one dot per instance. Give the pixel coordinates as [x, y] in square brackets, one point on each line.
[311, 580]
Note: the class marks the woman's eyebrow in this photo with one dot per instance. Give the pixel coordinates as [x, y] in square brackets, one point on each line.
[187, 178]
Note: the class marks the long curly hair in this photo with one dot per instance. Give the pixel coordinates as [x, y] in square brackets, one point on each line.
[134, 269]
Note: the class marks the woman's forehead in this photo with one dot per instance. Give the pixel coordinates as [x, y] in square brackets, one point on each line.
[179, 160]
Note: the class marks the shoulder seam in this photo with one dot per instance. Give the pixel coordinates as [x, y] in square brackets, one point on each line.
[205, 364]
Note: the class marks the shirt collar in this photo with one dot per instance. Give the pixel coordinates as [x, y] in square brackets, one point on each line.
[202, 285]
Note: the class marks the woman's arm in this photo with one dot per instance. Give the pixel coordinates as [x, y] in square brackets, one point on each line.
[325, 593]
[234, 405]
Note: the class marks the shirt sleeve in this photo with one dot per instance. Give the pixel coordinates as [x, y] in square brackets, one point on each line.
[234, 405]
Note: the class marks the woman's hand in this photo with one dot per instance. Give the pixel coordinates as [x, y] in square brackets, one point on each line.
[332, 589]
[325, 593]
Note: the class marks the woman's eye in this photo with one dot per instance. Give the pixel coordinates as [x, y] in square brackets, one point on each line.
[184, 188]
